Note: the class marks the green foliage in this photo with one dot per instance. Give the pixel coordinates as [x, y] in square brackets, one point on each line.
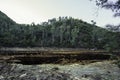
[60, 32]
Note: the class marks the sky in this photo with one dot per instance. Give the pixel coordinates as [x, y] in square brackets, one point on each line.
[28, 11]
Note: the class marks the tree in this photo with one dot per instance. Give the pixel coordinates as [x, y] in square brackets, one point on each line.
[112, 40]
[61, 32]
[113, 5]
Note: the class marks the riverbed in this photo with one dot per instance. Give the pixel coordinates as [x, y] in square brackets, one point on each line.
[102, 70]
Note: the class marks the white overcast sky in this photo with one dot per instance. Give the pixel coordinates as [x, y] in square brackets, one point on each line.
[28, 11]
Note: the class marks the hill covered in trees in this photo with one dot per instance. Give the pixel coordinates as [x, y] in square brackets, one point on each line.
[56, 32]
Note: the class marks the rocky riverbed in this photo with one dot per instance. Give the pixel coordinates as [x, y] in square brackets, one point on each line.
[103, 70]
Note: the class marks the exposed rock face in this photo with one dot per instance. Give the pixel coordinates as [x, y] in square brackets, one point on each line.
[105, 70]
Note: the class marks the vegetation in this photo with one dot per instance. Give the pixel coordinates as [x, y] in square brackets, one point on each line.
[57, 32]
[114, 6]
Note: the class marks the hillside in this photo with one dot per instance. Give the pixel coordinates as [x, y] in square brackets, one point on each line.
[65, 32]
[5, 20]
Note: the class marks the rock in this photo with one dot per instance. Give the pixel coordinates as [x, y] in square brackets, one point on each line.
[94, 71]
[23, 75]
[55, 69]
[1, 77]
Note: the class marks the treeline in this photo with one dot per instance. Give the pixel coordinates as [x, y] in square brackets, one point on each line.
[57, 32]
